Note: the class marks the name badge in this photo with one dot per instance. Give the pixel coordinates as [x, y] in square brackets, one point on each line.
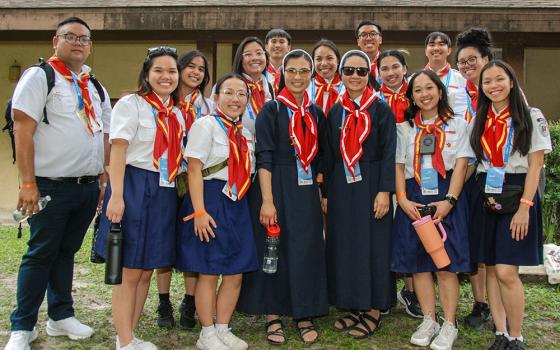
[164, 174]
[230, 194]
[304, 178]
[357, 174]
[495, 180]
[429, 177]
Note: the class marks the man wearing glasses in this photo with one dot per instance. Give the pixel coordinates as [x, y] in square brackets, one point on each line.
[59, 138]
[369, 37]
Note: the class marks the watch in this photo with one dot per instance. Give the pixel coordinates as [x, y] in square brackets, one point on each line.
[451, 199]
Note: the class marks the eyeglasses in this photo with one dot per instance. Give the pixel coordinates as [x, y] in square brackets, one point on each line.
[471, 61]
[257, 54]
[294, 71]
[161, 50]
[367, 35]
[361, 71]
[73, 38]
[230, 93]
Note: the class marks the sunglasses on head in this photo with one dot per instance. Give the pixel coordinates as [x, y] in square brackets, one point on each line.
[161, 50]
[361, 71]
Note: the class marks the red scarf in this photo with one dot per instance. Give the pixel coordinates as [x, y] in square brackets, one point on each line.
[373, 68]
[356, 128]
[187, 109]
[239, 162]
[437, 158]
[396, 100]
[257, 95]
[305, 141]
[169, 134]
[322, 88]
[494, 136]
[276, 74]
[472, 91]
[82, 82]
[442, 72]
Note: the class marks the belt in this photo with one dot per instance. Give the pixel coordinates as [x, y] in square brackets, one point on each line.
[81, 180]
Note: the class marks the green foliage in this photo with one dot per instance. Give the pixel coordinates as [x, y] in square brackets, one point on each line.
[551, 200]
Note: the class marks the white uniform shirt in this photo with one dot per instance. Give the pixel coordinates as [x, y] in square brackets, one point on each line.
[63, 148]
[456, 145]
[209, 143]
[456, 92]
[540, 141]
[312, 91]
[133, 120]
[202, 105]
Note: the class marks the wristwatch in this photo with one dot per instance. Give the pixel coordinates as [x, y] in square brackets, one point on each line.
[451, 199]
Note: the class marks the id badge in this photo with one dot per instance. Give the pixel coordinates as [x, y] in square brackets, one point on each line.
[357, 174]
[230, 194]
[304, 178]
[495, 180]
[164, 174]
[429, 177]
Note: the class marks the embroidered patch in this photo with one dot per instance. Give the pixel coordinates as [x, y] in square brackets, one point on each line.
[542, 126]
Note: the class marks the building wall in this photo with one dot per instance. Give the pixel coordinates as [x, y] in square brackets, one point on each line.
[541, 79]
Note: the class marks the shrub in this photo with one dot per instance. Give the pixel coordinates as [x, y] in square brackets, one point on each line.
[551, 200]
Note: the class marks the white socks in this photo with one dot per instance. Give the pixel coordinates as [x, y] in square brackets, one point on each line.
[520, 338]
[207, 330]
[221, 327]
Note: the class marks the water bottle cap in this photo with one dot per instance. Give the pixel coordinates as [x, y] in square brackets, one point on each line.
[273, 231]
[47, 198]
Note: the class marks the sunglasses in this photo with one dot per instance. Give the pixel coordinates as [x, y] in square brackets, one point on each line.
[161, 50]
[361, 71]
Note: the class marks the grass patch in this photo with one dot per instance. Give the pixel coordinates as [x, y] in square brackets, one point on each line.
[93, 307]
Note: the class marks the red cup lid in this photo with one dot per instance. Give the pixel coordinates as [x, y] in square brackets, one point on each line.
[273, 230]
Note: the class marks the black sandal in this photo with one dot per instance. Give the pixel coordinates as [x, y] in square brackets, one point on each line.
[278, 332]
[366, 330]
[354, 318]
[303, 330]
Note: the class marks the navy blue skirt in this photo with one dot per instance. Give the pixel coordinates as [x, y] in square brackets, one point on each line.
[232, 251]
[492, 235]
[148, 223]
[408, 254]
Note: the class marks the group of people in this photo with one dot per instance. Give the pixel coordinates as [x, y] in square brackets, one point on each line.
[343, 153]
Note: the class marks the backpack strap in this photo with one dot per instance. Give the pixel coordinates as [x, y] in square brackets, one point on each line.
[49, 73]
[98, 87]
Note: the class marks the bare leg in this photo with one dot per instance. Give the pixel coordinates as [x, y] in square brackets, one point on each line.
[424, 289]
[513, 296]
[190, 282]
[495, 300]
[123, 304]
[227, 297]
[205, 298]
[141, 295]
[478, 283]
[163, 280]
[408, 284]
[448, 294]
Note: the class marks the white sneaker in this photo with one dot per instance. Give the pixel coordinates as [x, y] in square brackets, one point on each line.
[425, 332]
[20, 340]
[136, 344]
[210, 342]
[231, 340]
[446, 337]
[70, 327]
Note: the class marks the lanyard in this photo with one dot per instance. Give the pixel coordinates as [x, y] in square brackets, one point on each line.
[508, 146]
[448, 79]
[78, 91]
[250, 110]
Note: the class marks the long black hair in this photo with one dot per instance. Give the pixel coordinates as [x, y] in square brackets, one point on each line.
[444, 110]
[238, 58]
[518, 109]
[144, 87]
[185, 59]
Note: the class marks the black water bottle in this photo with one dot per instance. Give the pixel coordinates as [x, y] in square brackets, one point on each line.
[113, 263]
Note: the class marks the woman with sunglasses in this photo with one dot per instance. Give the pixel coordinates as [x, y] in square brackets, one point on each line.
[287, 160]
[146, 154]
[359, 145]
[509, 141]
[217, 237]
[193, 79]
[473, 52]
[326, 86]
[431, 163]
[438, 47]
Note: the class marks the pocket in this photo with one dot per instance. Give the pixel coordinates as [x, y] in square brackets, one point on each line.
[64, 100]
[146, 129]
[451, 143]
[220, 147]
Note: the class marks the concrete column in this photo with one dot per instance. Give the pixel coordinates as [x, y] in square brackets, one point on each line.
[514, 54]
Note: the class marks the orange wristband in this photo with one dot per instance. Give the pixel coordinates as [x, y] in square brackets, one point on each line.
[194, 215]
[401, 194]
[28, 185]
[526, 201]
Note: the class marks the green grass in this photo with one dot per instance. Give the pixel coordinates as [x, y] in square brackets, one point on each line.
[93, 307]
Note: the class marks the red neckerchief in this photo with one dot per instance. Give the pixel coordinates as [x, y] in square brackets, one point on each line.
[82, 82]
[257, 95]
[494, 136]
[442, 72]
[239, 161]
[472, 91]
[396, 100]
[356, 127]
[373, 68]
[322, 88]
[276, 74]
[437, 158]
[305, 141]
[187, 109]
[169, 134]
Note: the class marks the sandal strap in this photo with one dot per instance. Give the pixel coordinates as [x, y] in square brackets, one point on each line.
[354, 318]
[303, 330]
[374, 320]
[273, 322]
